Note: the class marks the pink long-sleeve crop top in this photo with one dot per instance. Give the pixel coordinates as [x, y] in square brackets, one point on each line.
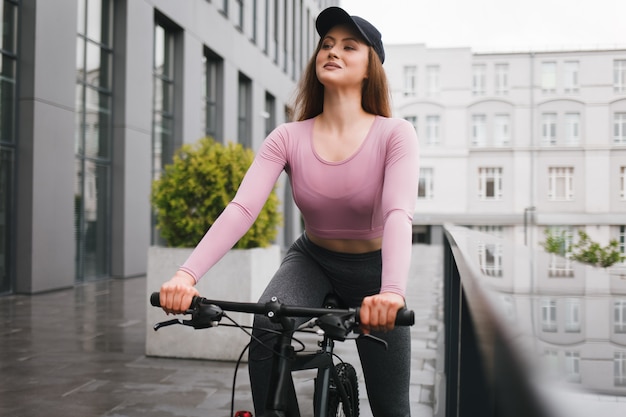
[370, 194]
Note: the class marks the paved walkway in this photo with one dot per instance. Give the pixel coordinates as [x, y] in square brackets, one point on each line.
[80, 352]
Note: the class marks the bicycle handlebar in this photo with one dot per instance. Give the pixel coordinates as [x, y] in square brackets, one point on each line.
[274, 308]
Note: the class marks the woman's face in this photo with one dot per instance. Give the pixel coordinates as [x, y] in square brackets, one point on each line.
[342, 59]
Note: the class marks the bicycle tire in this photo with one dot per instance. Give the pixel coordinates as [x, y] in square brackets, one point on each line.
[346, 375]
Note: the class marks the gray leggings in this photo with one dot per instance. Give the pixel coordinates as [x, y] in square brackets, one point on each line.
[309, 272]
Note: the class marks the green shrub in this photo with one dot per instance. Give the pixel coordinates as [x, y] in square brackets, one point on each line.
[196, 187]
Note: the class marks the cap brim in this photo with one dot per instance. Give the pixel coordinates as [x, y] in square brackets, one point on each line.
[334, 16]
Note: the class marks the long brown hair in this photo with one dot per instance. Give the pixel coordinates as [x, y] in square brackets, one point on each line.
[375, 99]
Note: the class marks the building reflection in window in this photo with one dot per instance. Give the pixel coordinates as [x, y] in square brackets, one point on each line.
[490, 258]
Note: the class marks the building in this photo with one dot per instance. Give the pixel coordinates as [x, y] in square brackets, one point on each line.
[96, 96]
[516, 143]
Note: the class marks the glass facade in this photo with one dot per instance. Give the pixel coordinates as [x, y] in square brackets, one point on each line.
[93, 137]
[8, 139]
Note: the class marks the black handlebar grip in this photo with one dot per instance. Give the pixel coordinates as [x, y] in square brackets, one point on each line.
[405, 317]
[155, 299]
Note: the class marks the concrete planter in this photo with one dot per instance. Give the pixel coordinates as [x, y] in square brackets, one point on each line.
[241, 275]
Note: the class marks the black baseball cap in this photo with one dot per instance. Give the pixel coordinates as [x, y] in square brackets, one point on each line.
[334, 16]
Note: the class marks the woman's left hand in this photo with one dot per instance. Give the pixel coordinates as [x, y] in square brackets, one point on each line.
[378, 312]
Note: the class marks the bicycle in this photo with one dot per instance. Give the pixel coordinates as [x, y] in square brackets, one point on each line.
[336, 391]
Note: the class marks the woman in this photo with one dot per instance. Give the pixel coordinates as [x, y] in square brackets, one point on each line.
[354, 173]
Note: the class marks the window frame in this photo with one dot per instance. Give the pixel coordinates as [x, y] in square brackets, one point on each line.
[556, 175]
[490, 183]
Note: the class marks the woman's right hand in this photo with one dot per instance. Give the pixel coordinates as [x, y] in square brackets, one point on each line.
[176, 294]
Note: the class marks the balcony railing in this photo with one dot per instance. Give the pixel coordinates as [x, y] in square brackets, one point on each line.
[501, 360]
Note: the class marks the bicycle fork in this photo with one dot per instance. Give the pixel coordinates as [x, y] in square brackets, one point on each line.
[282, 401]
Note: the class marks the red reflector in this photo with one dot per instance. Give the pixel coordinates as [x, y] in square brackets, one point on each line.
[243, 414]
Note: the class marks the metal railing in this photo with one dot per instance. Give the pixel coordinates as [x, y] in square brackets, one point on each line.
[524, 343]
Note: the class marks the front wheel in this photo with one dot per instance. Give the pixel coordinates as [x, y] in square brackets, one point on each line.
[346, 376]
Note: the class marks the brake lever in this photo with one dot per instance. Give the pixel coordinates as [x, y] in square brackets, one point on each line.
[374, 339]
[166, 323]
[202, 317]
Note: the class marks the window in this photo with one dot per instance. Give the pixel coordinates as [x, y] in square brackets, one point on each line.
[570, 79]
[572, 315]
[244, 110]
[93, 138]
[163, 102]
[479, 130]
[479, 74]
[270, 113]
[266, 30]
[238, 13]
[425, 187]
[223, 6]
[285, 23]
[8, 141]
[255, 22]
[548, 315]
[572, 366]
[572, 129]
[548, 77]
[275, 30]
[619, 369]
[501, 126]
[410, 80]
[432, 80]
[213, 94]
[163, 120]
[560, 266]
[619, 128]
[494, 230]
[432, 130]
[622, 240]
[622, 182]
[490, 259]
[567, 233]
[502, 79]
[619, 75]
[619, 316]
[548, 129]
[413, 121]
[551, 361]
[561, 183]
[490, 183]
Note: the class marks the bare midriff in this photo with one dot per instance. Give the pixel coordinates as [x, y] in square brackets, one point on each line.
[347, 245]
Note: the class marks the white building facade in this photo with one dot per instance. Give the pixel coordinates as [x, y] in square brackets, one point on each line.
[96, 97]
[516, 143]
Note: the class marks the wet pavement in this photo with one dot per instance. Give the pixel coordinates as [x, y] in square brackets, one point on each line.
[80, 352]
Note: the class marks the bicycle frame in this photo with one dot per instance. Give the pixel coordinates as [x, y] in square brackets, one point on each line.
[282, 402]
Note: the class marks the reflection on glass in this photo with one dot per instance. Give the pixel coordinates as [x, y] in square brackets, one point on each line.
[490, 259]
[6, 188]
[619, 369]
[560, 267]
[163, 143]
[572, 366]
[548, 315]
[8, 139]
[8, 17]
[576, 326]
[7, 99]
[93, 137]
[619, 316]
[572, 315]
